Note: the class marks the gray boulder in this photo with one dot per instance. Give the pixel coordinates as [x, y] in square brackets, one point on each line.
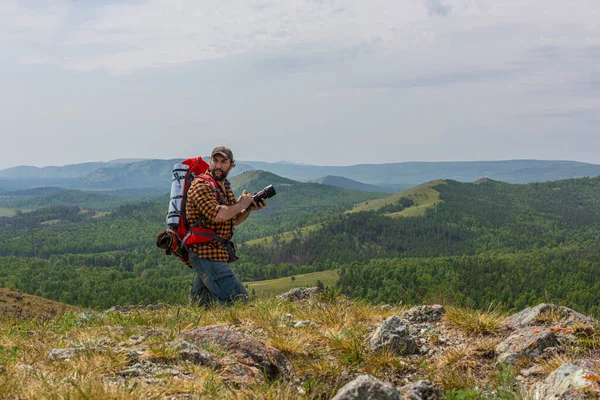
[68, 353]
[393, 335]
[428, 313]
[525, 343]
[148, 369]
[420, 390]
[367, 387]
[300, 293]
[243, 354]
[571, 381]
[194, 354]
[562, 317]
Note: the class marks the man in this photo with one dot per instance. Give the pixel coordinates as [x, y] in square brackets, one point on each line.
[216, 208]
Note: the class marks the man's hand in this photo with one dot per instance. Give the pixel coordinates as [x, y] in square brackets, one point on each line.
[259, 205]
[246, 199]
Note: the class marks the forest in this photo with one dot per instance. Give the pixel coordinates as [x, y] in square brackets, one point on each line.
[490, 242]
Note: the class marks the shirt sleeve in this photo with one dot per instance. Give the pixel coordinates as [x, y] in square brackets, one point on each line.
[202, 197]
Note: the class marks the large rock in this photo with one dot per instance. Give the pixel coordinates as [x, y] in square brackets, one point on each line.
[245, 359]
[194, 354]
[547, 314]
[421, 390]
[428, 313]
[571, 381]
[367, 387]
[300, 293]
[525, 343]
[393, 335]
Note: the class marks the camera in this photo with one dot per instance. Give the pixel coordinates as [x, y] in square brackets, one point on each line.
[266, 193]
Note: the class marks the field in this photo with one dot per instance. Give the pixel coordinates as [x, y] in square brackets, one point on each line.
[7, 212]
[423, 196]
[283, 237]
[277, 286]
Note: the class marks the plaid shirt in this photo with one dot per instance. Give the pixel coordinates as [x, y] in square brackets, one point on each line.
[202, 204]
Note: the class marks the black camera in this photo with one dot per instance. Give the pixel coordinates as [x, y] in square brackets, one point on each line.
[266, 193]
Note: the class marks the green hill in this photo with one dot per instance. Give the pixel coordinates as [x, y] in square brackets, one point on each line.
[423, 197]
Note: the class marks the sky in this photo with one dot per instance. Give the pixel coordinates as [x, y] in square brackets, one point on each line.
[326, 82]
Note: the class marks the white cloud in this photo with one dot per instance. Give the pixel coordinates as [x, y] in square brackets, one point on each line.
[124, 37]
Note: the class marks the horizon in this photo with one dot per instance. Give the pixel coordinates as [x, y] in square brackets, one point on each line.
[299, 163]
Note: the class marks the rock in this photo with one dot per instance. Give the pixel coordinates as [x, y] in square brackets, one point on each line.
[428, 313]
[525, 343]
[68, 353]
[241, 349]
[556, 316]
[300, 293]
[149, 369]
[393, 335]
[25, 367]
[533, 371]
[571, 381]
[155, 332]
[421, 390]
[303, 323]
[192, 353]
[367, 387]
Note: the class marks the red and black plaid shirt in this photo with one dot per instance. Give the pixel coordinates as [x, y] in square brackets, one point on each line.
[202, 204]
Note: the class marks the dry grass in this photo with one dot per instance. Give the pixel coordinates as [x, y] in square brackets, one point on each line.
[474, 322]
[550, 365]
[324, 357]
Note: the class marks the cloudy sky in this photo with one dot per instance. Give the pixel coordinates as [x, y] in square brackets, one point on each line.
[329, 82]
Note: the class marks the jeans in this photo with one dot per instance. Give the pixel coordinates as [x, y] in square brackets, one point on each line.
[214, 280]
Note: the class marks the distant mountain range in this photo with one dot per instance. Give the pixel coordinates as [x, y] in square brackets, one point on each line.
[387, 178]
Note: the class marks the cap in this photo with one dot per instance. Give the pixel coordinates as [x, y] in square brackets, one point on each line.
[224, 151]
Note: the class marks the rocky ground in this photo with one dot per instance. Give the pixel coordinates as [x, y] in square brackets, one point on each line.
[304, 344]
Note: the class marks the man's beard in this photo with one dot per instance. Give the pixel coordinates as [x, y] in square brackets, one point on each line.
[219, 174]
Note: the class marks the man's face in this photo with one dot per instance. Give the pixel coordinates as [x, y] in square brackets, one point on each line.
[220, 167]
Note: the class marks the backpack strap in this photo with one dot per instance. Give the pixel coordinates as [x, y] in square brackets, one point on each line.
[213, 184]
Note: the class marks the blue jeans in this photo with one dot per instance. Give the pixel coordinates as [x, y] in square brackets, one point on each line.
[214, 280]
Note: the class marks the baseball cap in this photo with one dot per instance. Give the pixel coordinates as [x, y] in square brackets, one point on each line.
[224, 151]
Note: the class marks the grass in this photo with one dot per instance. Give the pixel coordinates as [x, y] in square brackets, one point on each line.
[423, 196]
[324, 357]
[321, 356]
[284, 237]
[7, 212]
[474, 321]
[274, 287]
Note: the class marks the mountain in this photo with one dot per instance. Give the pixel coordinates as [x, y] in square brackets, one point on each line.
[340, 181]
[390, 177]
[64, 172]
[414, 173]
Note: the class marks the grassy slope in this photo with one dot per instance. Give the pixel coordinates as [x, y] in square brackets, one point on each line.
[283, 237]
[19, 305]
[424, 196]
[274, 287]
[7, 212]
[323, 358]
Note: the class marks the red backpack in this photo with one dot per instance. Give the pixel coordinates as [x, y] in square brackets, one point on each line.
[179, 235]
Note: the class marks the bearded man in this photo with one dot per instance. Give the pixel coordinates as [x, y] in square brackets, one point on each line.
[211, 204]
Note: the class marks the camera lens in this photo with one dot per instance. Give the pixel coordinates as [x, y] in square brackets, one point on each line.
[266, 193]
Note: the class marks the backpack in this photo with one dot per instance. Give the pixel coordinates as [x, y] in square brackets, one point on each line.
[179, 235]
